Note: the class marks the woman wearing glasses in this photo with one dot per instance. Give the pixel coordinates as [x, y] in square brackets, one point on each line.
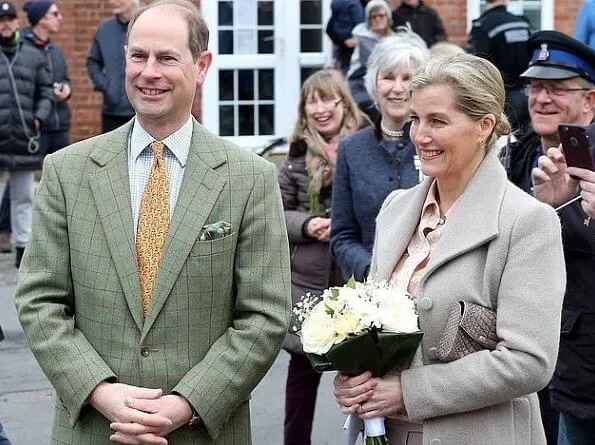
[367, 34]
[376, 160]
[326, 111]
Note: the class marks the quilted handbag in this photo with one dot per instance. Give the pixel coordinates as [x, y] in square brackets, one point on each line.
[470, 328]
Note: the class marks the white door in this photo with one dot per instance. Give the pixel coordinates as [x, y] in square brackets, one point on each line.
[261, 51]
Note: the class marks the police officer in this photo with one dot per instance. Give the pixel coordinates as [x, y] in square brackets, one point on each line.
[561, 89]
[501, 37]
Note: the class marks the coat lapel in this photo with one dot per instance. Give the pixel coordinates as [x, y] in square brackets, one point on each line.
[110, 186]
[400, 229]
[474, 221]
[199, 193]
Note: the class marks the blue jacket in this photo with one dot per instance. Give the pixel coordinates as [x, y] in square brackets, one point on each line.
[346, 14]
[585, 24]
[59, 119]
[367, 170]
[106, 63]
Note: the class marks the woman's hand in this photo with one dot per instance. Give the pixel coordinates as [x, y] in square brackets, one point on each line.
[386, 399]
[319, 228]
[352, 392]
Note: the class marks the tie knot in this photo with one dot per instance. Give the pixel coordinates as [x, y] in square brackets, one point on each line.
[158, 149]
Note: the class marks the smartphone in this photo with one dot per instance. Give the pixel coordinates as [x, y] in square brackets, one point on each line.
[578, 142]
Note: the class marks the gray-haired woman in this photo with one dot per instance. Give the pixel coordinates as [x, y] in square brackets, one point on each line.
[376, 160]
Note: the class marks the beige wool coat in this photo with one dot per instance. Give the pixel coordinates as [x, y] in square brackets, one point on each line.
[500, 248]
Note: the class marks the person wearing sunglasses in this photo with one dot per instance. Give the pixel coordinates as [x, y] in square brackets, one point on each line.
[561, 89]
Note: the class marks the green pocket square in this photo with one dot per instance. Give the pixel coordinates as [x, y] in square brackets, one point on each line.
[214, 231]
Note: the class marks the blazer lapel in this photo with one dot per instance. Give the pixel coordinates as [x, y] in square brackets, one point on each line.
[474, 221]
[199, 193]
[110, 187]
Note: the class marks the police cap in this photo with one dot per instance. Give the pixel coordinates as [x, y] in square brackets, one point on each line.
[555, 55]
[7, 9]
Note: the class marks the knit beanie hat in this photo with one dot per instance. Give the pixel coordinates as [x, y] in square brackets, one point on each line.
[36, 10]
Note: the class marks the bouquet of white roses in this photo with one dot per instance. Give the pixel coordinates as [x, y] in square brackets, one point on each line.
[356, 328]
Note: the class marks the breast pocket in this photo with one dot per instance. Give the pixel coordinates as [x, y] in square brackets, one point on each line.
[217, 246]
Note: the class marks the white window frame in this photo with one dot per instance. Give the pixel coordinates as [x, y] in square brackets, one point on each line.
[287, 62]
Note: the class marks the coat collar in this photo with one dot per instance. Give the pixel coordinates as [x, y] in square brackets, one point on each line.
[473, 222]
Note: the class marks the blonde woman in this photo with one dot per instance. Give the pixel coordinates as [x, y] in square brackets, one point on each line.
[466, 234]
[326, 111]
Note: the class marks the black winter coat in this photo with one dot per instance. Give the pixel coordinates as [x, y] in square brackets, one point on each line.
[59, 119]
[572, 389]
[35, 95]
[424, 20]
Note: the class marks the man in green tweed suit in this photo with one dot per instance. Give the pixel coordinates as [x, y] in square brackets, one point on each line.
[182, 372]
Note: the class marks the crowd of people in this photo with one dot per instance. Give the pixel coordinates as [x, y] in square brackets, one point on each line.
[154, 317]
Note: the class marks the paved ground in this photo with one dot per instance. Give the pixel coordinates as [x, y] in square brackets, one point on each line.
[26, 397]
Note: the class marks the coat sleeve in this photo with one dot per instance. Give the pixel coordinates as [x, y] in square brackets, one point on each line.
[346, 235]
[582, 29]
[239, 359]
[294, 219]
[95, 66]
[44, 91]
[478, 43]
[44, 300]
[529, 304]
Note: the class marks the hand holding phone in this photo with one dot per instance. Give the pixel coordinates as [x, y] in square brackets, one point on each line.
[577, 144]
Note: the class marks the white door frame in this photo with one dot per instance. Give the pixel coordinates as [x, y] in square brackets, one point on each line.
[286, 62]
[515, 6]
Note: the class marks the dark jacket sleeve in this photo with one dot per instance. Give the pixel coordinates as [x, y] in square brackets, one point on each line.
[440, 32]
[357, 14]
[44, 91]
[346, 245]
[95, 66]
[66, 79]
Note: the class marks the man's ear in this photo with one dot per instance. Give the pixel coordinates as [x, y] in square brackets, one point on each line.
[589, 104]
[202, 67]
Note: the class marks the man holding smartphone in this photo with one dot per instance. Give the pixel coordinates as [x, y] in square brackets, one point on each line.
[561, 89]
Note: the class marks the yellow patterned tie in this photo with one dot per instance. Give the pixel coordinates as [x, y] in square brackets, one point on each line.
[153, 224]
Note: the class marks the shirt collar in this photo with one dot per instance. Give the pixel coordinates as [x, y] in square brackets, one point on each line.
[178, 142]
[431, 211]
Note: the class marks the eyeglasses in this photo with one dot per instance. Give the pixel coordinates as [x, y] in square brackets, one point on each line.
[326, 104]
[534, 89]
[377, 16]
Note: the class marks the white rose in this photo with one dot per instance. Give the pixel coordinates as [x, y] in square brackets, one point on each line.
[318, 331]
[347, 324]
[399, 316]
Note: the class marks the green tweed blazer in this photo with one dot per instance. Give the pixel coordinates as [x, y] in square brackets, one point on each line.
[219, 310]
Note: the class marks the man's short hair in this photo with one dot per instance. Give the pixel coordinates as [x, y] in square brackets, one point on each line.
[198, 32]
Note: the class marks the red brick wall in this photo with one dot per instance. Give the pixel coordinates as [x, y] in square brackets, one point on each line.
[81, 18]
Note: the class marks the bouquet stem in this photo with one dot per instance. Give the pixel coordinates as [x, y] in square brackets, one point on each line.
[375, 431]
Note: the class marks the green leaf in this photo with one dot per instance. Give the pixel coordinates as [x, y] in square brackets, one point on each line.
[351, 282]
[334, 294]
[328, 310]
[377, 440]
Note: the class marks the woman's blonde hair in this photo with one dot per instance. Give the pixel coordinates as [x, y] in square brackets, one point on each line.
[328, 83]
[477, 85]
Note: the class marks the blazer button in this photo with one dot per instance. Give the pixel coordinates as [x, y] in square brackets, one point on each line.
[145, 351]
[432, 352]
[426, 303]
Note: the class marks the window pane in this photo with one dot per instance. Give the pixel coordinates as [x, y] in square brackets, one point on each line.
[307, 71]
[246, 43]
[225, 13]
[266, 12]
[225, 85]
[266, 119]
[226, 120]
[245, 85]
[310, 12]
[266, 84]
[266, 41]
[311, 40]
[246, 120]
[225, 42]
